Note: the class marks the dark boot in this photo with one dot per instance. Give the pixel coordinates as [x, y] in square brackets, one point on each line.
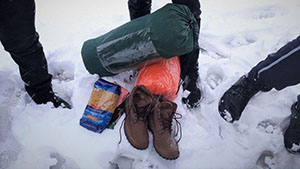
[235, 99]
[160, 124]
[292, 134]
[59, 102]
[137, 107]
[55, 100]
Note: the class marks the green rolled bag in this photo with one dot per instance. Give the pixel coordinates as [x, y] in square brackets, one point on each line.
[168, 32]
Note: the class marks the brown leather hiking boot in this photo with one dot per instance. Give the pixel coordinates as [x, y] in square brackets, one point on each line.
[160, 123]
[137, 107]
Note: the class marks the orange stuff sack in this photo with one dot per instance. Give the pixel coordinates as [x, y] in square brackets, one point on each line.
[161, 77]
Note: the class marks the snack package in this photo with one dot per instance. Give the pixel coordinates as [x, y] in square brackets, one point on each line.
[101, 106]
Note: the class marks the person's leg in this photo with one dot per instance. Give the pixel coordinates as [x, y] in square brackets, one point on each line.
[190, 76]
[189, 62]
[138, 8]
[292, 134]
[278, 70]
[20, 39]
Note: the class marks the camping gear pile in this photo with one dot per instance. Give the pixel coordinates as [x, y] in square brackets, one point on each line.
[152, 44]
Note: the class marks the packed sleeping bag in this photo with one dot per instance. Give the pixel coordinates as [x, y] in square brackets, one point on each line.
[168, 32]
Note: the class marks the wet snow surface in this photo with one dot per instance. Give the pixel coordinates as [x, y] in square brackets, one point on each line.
[235, 35]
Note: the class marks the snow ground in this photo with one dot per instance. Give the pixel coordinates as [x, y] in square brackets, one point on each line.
[236, 35]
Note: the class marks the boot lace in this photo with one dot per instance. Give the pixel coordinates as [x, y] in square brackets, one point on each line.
[143, 112]
[166, 124]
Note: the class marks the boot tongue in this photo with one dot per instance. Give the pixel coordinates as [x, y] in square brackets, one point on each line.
[166, 110]
[141, 102]
[140, 99]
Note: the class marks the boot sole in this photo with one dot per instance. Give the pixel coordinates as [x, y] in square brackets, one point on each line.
[292, 152]
[158, 152]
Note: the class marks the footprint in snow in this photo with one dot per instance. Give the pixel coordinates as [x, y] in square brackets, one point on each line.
[267, 126]
[7, 158]
[62, 162]
[215, 76]
[266, 160]
[123, 162]
[268, 12]
[238, 40]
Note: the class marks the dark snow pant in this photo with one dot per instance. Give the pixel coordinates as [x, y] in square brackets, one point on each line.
[189, 62]
[20, 39]
[280, 69]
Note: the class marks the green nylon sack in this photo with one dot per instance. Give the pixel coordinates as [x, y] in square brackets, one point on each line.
[168, 32]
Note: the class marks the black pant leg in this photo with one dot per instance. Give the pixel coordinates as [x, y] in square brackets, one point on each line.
[20, 39]
[189, 70]
[280, 69]
[138, 8]
[189, 62]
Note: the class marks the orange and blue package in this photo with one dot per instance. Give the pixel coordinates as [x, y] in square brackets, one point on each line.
[101, 106]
